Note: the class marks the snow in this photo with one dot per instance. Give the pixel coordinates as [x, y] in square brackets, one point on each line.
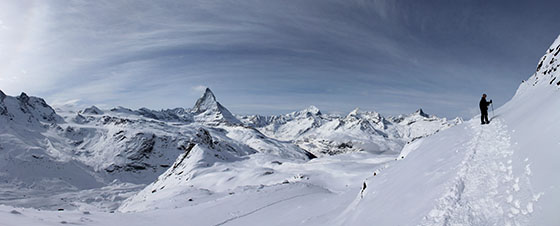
[93, 110]
[323, 134]
[204, 166]
[209, 110]
[94, 159]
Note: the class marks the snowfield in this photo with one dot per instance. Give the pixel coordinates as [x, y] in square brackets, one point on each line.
[206, 166]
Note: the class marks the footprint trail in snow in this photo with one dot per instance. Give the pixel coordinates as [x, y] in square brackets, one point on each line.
[486, 190]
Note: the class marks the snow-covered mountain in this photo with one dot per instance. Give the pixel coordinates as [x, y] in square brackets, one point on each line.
[309, 129]
[212, 168]
[207, 109]
[497, 174]
[216, 169]
[324, 134]
[46, 151]
[94, 148]
[26, 111]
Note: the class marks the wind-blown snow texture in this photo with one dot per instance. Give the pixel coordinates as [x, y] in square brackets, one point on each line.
[206, 166]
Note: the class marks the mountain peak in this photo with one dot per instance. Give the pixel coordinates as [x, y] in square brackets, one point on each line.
[421, 113]
[209, 94]
[205, 102]
[313, 110]
[354, 112]
[93, 110]
[23, 97]
[27, 109]
[209, 109]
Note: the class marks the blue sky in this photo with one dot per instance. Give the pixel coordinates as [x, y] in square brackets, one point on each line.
[273, 57]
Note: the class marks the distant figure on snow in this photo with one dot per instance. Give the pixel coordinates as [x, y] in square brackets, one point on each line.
[484, 109]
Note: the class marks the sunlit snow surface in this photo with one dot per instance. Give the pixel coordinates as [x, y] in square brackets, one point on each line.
[122, 160]
[503, 173]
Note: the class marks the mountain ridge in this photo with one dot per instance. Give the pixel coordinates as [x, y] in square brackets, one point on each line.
[94, 148]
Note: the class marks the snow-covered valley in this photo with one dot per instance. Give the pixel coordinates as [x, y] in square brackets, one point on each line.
[206, 166]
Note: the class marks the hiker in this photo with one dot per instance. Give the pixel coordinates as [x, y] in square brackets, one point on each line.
[484, 109]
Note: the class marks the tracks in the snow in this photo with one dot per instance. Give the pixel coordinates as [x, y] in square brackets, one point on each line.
[261, 208]
[484, 189]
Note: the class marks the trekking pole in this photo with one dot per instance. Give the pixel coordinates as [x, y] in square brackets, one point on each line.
[492, 104]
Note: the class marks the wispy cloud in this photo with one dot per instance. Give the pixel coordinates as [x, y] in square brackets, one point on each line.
[199, 88]
[267, 56]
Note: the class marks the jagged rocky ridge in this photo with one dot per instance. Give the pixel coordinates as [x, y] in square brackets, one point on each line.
[42, 149]
[324, 134]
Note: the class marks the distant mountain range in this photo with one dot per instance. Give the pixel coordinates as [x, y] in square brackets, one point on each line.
[91, 148]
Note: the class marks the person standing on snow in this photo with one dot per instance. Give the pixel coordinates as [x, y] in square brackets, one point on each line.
[484, 109]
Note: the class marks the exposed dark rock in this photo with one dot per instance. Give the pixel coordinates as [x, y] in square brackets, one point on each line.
[145, 147]
[345, 145]
[309, 155]
[3, 109]
[93, 110]
[205, 137]
[15, 212]
[541, 63]
[421, 113]
[112, 168]
[115, 120]
[364, 186]
[185, 155]
[135, 166]
[23, 97]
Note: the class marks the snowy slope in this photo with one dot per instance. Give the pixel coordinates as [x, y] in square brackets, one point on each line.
[533, 118]
[27, 156]
[211, 169]
[498, 174]
[42, 151]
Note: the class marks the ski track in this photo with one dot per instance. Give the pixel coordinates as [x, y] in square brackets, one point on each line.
[485, 191]
[261, 208]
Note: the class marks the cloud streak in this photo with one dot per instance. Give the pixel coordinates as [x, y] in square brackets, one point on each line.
[271, 57]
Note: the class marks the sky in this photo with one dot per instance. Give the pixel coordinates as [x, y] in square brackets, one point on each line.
[273, 57]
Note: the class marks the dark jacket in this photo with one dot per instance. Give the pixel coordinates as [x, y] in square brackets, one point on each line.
[484, 104]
